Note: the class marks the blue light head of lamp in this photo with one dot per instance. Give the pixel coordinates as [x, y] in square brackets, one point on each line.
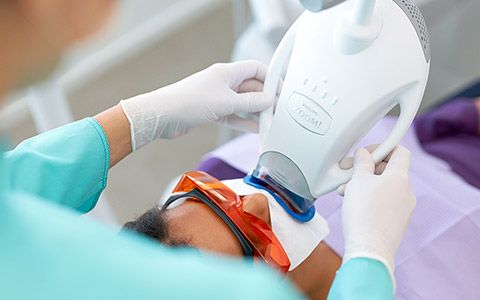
[283, 196]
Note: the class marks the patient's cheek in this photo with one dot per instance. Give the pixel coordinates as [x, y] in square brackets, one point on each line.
[257, 205]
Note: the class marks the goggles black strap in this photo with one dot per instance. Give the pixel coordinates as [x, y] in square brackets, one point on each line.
[247, 249]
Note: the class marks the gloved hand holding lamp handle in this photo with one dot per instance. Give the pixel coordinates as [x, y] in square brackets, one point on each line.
[215, 94]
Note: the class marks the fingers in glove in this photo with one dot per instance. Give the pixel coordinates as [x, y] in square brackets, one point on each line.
[372, 148]
[380, 168]
[237, 123]
[238, 72]
[399, 162]
[250, 85]
[347, 162]
[363, 163]
[251, 102]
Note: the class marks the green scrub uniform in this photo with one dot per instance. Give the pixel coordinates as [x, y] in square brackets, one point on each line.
[48, 252]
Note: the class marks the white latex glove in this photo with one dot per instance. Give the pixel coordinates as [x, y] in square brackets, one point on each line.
[377, 208]
[215, 94]
[347, 163]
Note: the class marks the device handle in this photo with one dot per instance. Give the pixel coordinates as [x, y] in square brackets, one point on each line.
[274, 77]
[409, 102]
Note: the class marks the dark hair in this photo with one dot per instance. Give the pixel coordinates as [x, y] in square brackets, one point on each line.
[154, 224]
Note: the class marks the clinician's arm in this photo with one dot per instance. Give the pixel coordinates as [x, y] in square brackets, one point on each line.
[69, 165]
[362, 279]
[375, 214]
[117, 130]
[215, 94]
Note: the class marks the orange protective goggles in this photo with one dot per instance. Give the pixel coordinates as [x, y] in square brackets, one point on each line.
[255, 236]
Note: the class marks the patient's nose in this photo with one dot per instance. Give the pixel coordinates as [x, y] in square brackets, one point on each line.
[257, 205]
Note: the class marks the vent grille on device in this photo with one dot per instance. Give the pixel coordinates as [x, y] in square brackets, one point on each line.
[418, 21]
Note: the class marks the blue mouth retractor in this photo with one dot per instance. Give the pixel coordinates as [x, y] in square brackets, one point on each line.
[260, 184]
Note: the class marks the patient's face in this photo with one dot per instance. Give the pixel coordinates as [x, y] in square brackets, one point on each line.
[196, 224]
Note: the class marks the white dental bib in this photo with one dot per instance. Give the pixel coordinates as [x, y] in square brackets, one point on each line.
[298, 239]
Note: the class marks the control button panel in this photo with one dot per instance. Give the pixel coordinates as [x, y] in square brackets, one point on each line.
[320, 91]
[309, 114]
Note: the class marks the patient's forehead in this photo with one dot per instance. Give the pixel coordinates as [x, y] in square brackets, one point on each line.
[202, 228]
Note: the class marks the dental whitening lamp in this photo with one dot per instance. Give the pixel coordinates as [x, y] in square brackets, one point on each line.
[346, 67]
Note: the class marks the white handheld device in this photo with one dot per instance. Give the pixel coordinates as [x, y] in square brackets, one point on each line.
[346, 68]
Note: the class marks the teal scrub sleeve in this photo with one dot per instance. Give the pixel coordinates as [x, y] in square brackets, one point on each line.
[48, 253]
[362, 278]
[68, 165]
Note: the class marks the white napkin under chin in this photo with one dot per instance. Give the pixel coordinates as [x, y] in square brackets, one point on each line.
[298, 239]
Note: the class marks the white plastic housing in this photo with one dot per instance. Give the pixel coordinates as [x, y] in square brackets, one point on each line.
[336, 89]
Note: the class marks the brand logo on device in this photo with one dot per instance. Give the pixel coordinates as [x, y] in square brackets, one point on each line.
[309, 114]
